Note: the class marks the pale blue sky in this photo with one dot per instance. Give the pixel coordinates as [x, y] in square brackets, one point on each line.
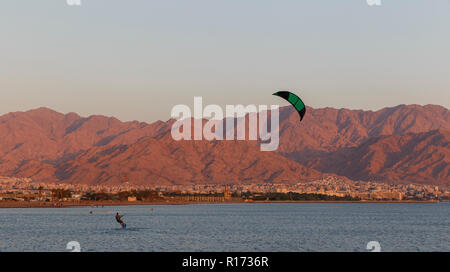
[135, 59]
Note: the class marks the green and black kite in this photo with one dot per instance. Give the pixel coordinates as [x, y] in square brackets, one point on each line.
[295, 101]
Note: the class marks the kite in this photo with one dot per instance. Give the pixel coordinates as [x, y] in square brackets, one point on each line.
[295, 101]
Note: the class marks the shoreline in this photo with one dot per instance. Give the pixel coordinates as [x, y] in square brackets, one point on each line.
[96, 204]
[344, 201]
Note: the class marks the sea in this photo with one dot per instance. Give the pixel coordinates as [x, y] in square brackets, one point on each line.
[271, 227]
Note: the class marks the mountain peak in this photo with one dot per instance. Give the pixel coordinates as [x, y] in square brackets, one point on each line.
[50, 146]
[43, 110]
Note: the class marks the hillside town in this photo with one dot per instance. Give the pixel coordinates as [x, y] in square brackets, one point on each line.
[25, 189]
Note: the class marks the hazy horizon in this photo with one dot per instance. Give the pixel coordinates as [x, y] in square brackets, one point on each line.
[135, 60]
[169, 117]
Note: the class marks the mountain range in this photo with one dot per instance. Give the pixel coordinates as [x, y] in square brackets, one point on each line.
[406, 143]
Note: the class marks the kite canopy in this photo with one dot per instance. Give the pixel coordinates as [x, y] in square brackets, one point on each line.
[295, 101]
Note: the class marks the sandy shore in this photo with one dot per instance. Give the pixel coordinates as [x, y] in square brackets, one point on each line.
[360, 201]
[37, 204]
[67, 204]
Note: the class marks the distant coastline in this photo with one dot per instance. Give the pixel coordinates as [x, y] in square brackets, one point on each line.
[96, 204]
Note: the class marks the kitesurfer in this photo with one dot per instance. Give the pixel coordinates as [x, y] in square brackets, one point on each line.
[119, 220]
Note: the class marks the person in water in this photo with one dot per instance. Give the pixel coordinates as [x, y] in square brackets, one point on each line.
[119, 220]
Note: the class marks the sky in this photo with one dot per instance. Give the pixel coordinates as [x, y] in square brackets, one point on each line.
[136, 59]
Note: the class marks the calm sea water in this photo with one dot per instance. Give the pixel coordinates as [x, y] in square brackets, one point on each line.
[230, 227]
